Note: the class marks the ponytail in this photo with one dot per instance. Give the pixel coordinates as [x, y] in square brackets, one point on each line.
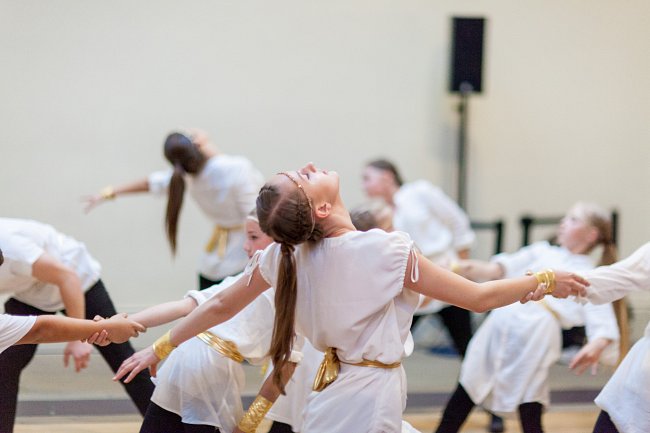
[176, 192]
[286, 294]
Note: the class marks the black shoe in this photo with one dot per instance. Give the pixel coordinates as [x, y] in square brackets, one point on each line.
[496, 424]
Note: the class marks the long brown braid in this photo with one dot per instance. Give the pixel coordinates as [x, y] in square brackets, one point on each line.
[287, 218]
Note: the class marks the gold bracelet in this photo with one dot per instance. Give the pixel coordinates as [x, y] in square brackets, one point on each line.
[545, 278]
[455, 267]
[255, 414]
[162, 347]
[108, 193]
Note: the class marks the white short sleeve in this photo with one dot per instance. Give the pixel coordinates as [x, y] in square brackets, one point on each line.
[23, 252]
[269, 262]
[159, 181]
[13, 328]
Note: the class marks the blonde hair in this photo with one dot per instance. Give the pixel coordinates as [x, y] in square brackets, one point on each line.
[601, 220]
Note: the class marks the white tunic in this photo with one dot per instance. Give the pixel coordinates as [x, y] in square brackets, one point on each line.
[508, 358]
[437, 225]
[25, 241]
[13, 328]
[351, 297]
[203, 386]
[225, 190]
[626, 397]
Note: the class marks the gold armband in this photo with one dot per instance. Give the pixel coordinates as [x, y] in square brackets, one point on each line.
[255, 414]
[546, 278]
[162, 347]
[108, 193]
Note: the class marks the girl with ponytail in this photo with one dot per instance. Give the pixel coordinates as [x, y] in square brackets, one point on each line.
[223, 186]
[351, 294]
[528, 338]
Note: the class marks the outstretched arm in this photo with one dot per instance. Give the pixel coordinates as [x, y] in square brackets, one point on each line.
[446, 286]
[54, 329]
[478, 270]
[216, 310]
[164, 313]
[110, 193]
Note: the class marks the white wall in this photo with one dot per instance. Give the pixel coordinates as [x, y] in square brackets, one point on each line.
[89, 89]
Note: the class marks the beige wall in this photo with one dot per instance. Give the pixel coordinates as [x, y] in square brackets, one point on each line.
[88, 90]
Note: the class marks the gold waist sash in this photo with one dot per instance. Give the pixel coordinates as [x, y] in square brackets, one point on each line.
[328, 370]
[548, 308]
[219, 239]
[224, 347]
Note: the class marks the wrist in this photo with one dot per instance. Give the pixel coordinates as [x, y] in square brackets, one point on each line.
[255, 414]
[108, 193]
[163, 346]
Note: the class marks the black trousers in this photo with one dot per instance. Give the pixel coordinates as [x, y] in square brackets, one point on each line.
[460, 405]
[16, 358]
[280, 427]
[159, 420]
[205, 283]
[458, 322]
[604, 424]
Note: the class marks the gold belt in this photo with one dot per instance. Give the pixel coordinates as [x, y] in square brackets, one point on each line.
[224, 347]
[548, 308]
[219, 239]
[328, 370]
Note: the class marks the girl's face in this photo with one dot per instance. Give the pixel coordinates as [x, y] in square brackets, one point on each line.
[575, 232]
[256, 239]
[375, 181]
[321, 186]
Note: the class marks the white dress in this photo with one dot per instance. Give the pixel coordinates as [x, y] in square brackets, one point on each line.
[509, 357]
[203, 386]
[225, 190]
[437, 225]
[23, 243]
[13, 328]
[351, 297]
[626, 397]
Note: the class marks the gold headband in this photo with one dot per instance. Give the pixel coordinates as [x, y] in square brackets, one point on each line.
[311, 209]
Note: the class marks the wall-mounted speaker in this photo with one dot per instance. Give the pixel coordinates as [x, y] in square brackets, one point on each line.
[467, 55]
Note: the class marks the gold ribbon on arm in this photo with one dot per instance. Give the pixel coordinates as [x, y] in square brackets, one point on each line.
[219, 239]
[327, 371]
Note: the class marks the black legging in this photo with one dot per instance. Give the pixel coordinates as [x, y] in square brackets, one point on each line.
[159, 420]
[206, 283]
[280, 427]
[460, 405]
[16, 358]
[604, 424]
[458, 322]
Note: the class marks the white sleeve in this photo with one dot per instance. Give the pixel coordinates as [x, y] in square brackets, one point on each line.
[600, 322]
[159, 181]
[23, 252]
[247, 189]
[200, 296]
[451, 215]
[517, 263]
[609, 283]
[13, 328]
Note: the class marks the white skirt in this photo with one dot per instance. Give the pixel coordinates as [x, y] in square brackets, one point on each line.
[626, 397]
[201, 386]
[360, 400]
[509, 357]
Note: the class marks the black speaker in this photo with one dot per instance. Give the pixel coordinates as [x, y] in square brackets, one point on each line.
[467, 54]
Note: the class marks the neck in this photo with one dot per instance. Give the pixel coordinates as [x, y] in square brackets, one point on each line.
[390, 194]
[337, 223]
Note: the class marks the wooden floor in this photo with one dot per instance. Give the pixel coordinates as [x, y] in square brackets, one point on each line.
[568, 420]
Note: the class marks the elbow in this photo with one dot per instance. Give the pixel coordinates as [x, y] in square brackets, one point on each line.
[219, 310]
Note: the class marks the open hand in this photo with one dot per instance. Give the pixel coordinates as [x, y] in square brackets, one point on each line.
[136, 363]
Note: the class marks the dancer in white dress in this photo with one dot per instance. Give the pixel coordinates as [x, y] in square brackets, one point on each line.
[352, 294]
[507, 363]
[624, 399]
[437, 225]
[55, 329]
[223, 186]
[198, 389]
[45, 272]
